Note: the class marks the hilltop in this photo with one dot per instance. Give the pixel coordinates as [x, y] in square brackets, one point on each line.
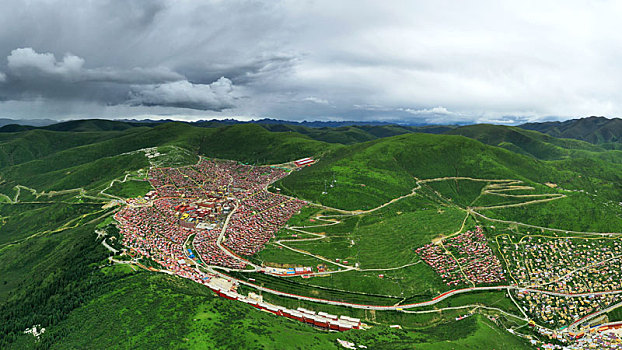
[535, 144]
[596, 130]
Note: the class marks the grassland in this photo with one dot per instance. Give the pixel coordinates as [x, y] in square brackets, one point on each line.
[416, 281]
[382, 241]
[24, 220]
[293, 286]
[577, 212]
[615, 315]
[130, 189]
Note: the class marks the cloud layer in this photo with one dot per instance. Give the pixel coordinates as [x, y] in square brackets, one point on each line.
[209, 97]
[42, 74]
[441, 61]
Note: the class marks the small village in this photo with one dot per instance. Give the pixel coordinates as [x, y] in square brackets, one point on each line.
[463, 259]
[560, 279]
[565, 265]
[558, 311]
[573, 268]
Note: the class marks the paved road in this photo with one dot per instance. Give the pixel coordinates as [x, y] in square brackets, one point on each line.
[225, 249]
[573, 326]
[432, 301]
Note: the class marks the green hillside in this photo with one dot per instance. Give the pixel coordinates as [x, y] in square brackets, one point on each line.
[94, 125]
[372, 173]
[84, 159]
[369, 174]
[20, 147]
[526, 142]
[348, 135]
[597, 130]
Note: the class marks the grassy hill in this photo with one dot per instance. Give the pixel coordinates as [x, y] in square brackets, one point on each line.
[20, 147]
[369, 174]
[61, 160]
[94, 125]
[366, 175]
[525, 142]
[597, 130]
[348, 135]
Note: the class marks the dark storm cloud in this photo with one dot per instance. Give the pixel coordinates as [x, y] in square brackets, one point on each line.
[442, 61]
[31, 74]
[26, 64]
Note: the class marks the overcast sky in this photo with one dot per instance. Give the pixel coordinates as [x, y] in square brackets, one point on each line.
[422, 61]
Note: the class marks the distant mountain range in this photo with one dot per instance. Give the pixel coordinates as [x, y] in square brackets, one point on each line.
[31, 122]
[595, 130]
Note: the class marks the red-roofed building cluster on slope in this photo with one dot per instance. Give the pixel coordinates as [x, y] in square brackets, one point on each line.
[160, 242]
[197, 199]
[155, 233]
[144, 233]
[256, 220]
[475, 262]
[210, 253]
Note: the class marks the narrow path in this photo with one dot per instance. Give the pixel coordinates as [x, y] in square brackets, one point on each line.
[66, 226]
[543, 228]
[472, 306]
[102, 192]
[225, 249]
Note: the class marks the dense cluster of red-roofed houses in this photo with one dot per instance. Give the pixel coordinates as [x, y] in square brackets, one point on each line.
[192, 201]
[463, 259]
[256, 220]
[211, 253]
[196, 199]
[171, 257]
